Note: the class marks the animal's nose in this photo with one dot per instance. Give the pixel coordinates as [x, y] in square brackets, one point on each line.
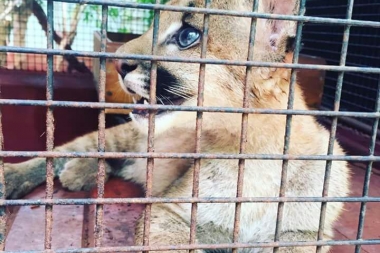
[124, 67]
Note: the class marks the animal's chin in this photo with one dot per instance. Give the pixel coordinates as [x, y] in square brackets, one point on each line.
[166, 101]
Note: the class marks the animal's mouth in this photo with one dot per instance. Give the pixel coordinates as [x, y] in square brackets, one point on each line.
[173, 100]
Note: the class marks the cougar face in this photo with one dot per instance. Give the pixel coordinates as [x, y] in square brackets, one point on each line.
[180, 35]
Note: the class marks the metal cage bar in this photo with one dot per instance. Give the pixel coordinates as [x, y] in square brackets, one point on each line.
[164, 155]
[244, 128]
[12, 49]
[198, 127]
[207, 246]
[151, 128]
[97, 105]
[49, 128]
[99, 213]
[3, 209]
[288, 128]
[334, 125]
[189, 60]
[197, 156]
[90, 201]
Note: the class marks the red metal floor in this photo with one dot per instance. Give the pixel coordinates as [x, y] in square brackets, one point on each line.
[72, 224]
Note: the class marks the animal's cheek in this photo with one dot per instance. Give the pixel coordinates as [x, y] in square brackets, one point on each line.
[170, 50]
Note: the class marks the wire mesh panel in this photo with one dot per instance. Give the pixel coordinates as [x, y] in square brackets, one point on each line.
[24, 23]
[359, 90]
[211, 201]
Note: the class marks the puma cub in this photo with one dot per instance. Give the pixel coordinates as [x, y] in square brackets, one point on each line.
[180, 35]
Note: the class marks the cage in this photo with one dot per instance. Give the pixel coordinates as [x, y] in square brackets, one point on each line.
[359, 91]
[337, 70]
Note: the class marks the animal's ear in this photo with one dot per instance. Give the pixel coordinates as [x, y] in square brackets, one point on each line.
[277, 34]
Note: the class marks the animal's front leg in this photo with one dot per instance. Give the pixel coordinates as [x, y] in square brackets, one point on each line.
[22, 178]
[166, 228]
[75, 174]
[299, 236]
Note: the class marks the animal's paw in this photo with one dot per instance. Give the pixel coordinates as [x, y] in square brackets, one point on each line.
[79, 174]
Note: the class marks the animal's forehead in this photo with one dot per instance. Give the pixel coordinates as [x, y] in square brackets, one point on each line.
[195, 3]
[169, 17]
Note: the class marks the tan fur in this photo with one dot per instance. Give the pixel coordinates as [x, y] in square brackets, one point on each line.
[224, 85]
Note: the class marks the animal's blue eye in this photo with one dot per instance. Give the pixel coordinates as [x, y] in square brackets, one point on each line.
[187, 37]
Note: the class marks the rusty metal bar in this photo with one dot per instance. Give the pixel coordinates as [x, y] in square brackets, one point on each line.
[207, 246]
[4, 219]
[98, 105]
[49, 127]
[151, 128]
[244, 128]
[198, 126]
[189, 60]
[355, 123]
[334, 21]
[288, 128]
[86, 227]
[108, 201]
[334, 123]
[165, 155]
[101, 175]
[3, 209]
[368, 173]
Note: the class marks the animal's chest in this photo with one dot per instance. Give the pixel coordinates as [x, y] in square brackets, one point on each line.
[219, 178]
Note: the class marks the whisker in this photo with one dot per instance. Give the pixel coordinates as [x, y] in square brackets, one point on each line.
[160, 99]
[179, 92]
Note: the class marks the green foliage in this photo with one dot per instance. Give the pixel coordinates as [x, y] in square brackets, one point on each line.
[119, 16]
